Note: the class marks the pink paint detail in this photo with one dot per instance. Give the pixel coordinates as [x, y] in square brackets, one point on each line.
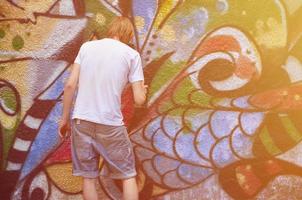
[245, 68]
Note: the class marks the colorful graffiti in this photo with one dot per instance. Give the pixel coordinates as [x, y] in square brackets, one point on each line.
[223, 117]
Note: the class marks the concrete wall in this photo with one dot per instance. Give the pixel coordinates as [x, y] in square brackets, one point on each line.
[223, 119]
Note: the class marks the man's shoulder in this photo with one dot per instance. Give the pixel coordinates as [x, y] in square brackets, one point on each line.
[84, 45]
[89, 43]
[133, 51]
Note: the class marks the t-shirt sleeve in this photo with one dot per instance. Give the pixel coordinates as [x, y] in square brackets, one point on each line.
[136, 70]
[78, 59]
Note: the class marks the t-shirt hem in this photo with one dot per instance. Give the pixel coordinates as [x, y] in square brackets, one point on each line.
[105, 122]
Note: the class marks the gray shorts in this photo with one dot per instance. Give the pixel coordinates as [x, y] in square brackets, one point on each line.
[91, 140]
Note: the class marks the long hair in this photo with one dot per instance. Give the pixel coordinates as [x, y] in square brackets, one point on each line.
[122, 28]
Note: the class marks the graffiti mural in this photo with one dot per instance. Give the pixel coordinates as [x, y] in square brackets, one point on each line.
[223, 118]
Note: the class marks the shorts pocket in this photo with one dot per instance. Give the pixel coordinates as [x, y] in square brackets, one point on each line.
[82, 145]
[120, 154]
[83, 128]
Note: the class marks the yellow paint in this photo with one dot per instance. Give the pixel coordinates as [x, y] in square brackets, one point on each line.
[297, 97]
[139, 22]
[100, 18]
[158, 190]
[61, 175]
[168, 33]
[292, 5]
[241, 178]
[140, 178]
[164, 9]
[284, 93]
[265, 22]
[270, 33]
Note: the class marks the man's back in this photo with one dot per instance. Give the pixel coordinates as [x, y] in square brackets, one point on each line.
[106, 66]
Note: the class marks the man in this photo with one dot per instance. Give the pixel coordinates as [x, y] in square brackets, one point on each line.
[101, 70]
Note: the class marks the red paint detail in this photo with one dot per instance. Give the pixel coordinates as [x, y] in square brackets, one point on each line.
[62, 154]
[127, 105]
[218, 43]
[279, 99]
[251, 183]
[272, 167]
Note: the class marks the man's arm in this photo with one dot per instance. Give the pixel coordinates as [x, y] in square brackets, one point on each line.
[69, 90]
[139, 92]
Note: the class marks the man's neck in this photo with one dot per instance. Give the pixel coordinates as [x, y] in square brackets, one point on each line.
[116, 38]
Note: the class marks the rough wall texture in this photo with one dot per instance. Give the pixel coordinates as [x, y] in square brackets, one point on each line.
[223, 119]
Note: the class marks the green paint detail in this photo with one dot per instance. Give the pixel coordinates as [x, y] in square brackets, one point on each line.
[291, 129]
[195, 111]
[18, 42]
[167, 72]
[201, 98]
[8, 138]
[9, 102]
[8, 99]
[2, 33]
[164, 106]
[185, 89]
[268, 142]
[181, 93]
[177, 111]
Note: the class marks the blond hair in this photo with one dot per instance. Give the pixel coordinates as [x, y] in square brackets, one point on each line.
[122, 28]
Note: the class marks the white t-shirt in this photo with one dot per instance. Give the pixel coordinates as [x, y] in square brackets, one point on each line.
[105, 68]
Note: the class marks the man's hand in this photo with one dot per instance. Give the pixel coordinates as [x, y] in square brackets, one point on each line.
[139, 93]
[146, 89]
[64, 128]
